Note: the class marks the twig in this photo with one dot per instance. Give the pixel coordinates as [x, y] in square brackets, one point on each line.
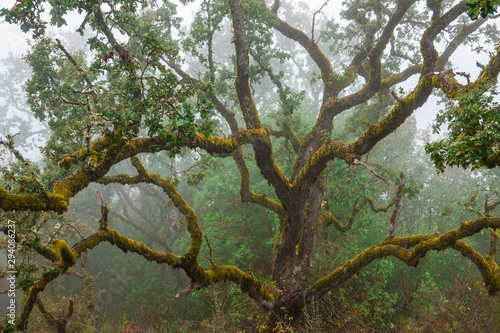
[210, 251]
[396, 97]
[314, 18]
[464, 74]
[103, 222]
[397, 207]
[369, 168]
[489, 207]
[10, 145]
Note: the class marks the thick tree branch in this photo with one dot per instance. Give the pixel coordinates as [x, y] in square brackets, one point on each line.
[318, 161]
[191, 220]
[488, 269]
[396, 247]
[242, 82]
[246, 194]
[116, 148]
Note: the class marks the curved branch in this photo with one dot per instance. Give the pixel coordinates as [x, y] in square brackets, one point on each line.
[191, 219]
[404, 108]
[116, 148]
[307, 43]
[60, 252]
[396, 247]
[489, 272]
[188, 261]
[490, 258]
[246, 194]
[318, 161]
[247, 282]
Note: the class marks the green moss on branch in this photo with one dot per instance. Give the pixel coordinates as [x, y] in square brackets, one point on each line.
[397, 247]
[32, 202]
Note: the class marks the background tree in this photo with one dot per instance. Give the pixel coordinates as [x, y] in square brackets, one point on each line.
[135, 95]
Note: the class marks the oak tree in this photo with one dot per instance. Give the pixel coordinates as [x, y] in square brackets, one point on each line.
[145, 86]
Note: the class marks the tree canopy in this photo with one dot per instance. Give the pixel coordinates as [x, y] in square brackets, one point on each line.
[298, 106]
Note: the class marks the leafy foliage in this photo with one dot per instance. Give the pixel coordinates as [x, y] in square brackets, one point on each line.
[473, 120]
[481, 7]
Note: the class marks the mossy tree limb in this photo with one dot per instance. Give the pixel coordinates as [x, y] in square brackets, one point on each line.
[246, 194]
[490, 258]
[178, 201]
[397, 247]
[299, 195]
[60, 254]
[33, 202]
[242, 81]
[189, 260]
[488, 269]
[116, 149]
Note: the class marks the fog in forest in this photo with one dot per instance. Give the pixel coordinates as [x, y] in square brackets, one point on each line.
[249, 166]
